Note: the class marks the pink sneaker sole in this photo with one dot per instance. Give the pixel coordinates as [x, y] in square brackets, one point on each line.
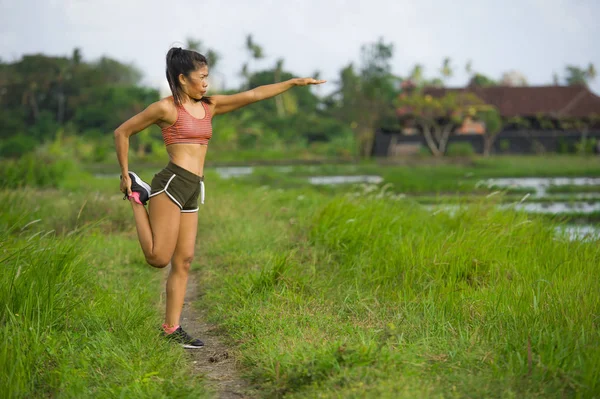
[135, 197]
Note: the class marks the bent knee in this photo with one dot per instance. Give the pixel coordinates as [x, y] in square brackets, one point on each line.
[158, 261]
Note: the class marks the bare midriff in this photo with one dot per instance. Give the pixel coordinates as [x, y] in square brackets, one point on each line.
[189, 156]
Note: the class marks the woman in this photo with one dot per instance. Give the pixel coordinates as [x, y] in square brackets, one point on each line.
[167, 231]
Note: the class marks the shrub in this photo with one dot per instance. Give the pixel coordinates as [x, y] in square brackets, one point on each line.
[460, 150]
[37, 169]
[17, 146]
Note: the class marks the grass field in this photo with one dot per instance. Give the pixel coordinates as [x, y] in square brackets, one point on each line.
[376, 298]
[80, 312]
[320, 293]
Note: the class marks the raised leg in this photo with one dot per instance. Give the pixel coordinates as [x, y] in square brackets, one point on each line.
[157, 229]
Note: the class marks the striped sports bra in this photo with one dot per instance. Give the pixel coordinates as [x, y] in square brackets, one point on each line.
[188, 129]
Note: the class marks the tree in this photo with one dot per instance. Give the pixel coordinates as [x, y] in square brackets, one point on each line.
[435, 82]
[279, 99]
[469, 67]
[255, 51]
[579, 76]
[482, 81]
[416, 78]
[42, 93]
[591, 72]
[118, 103]
[212, 56]
[245, 73]
[476, 78]
[365, 96]
[300, 107]
[513, 78]
[194, 44]
[490, 116]
[114, 72]
[76, 57]
[416, 75]
[555, 79]
[446, 69]
[436, 118]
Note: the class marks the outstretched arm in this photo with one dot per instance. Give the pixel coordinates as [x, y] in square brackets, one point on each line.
[228, 103]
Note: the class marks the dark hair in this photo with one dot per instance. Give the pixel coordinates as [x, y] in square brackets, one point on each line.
[181, 61]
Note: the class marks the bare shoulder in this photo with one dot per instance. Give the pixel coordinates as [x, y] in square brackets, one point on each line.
[165, 105]
[164, 109]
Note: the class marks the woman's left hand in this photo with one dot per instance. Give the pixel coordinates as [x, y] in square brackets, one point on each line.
[307, 81]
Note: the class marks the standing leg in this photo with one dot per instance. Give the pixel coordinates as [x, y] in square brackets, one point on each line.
[180, 267]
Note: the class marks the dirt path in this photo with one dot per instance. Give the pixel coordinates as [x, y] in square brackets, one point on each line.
[215, 361]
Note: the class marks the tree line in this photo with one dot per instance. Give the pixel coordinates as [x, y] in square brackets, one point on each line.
[42, 96]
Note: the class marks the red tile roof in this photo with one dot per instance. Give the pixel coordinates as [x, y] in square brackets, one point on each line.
[565, 101]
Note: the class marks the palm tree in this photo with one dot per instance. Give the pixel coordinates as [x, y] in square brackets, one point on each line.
[194, 45]
[256, 53]
[416, 75]
[591, 72]
[469, 67]
[555, 79]
[446, 69]
[279, 99]
[76, 57]
[245, 73]
[255, 50]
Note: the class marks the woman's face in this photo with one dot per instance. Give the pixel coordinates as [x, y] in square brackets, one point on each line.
[196, 84]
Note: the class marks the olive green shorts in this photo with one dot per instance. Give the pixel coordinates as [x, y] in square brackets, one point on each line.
[181, 185]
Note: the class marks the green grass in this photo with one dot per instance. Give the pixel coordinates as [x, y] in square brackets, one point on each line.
[426, 177]
[79, 315]
[371, 297]
[423, 177]
[321, 292]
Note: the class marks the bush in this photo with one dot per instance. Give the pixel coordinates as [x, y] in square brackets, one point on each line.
[460, 150]
[17, 146]
[586, 146]
[34, 170]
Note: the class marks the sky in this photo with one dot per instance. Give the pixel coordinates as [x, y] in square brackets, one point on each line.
[535, 37]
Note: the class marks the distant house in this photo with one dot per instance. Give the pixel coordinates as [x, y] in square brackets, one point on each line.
[546, 116]
[531, 101]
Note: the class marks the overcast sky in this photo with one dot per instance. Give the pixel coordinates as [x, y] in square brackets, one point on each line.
[535, 37]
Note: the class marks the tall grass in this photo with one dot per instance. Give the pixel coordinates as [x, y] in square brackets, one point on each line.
[79, 315]
[34, 170]
[482, 280]
[370, 297]
[321, 295]
[63, 212]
